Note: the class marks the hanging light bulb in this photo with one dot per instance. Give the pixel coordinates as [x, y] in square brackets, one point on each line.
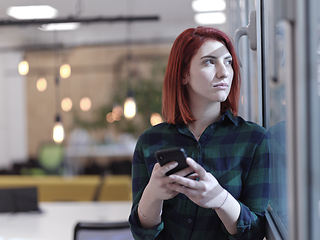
[58, 130]
[23, 68]
[42, 84]
[130, 106]
[66, 104]
[85, 104]
[65, 71]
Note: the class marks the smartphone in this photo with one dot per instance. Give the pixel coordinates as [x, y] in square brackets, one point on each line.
[165, 156]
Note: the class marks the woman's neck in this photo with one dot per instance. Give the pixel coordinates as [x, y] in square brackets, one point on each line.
[204, 117]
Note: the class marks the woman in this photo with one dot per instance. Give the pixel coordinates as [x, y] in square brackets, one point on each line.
[227, 194]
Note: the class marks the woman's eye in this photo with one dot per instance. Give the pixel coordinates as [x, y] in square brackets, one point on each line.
[228, 62]
[209, 61]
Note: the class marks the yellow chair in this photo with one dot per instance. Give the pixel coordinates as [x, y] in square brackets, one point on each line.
[114, 188]
[76, 188]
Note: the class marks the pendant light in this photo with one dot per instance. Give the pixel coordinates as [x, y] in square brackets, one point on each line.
[58, 130]
[23, 68]
[130, 108]
[65, 70]
[41, 84]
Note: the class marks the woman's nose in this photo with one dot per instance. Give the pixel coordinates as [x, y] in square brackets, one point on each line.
[222, 71]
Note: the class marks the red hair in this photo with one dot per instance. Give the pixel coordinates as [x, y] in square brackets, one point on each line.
[175, 108]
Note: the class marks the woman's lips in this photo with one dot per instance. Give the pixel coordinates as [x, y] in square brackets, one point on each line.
[221, 85]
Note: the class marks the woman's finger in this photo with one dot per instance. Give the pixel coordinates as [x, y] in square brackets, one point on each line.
[183, 181]
[164, 169]
[196, 168]
[184, 172]
[182, 189]
[193, 176]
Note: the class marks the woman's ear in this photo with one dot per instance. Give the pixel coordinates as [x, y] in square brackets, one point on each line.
[185, 80]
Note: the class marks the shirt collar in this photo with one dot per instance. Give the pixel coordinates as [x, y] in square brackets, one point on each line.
[227, 115]
[231, 117]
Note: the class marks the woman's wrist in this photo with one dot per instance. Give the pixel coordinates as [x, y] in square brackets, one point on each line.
[149, 209]
[140, 212]
[149, 213]
[224, 201]
[229, 213]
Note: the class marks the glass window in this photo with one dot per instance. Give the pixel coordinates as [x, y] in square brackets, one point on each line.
[277, 131]
[277, 71]
[314, 57]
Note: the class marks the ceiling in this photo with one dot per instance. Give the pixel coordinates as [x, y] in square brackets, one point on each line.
[174, 17]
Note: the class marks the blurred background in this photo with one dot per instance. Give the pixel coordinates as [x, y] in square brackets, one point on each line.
[83, 78]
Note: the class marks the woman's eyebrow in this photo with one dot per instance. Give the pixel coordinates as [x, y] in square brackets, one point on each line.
[214, 57]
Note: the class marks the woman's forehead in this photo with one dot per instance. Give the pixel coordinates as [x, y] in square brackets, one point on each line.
[213, 48]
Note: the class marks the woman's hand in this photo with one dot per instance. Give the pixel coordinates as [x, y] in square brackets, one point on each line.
[158, 185]
[150, 206]
[205, 192]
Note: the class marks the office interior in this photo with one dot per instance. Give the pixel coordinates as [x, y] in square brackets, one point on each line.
[65, 90]
[66, 138]
[81, 82]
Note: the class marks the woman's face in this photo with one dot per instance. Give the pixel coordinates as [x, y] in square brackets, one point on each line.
[210, 74]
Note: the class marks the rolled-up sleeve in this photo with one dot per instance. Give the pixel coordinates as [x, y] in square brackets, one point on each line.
[140, 179]
[140, 233]
[254, 198]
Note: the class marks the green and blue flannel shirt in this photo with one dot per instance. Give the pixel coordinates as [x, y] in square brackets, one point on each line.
[233, 150]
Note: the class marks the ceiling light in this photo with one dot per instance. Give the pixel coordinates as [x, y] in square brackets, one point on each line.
[23, 68]
[42, 84]
[65, 71]
[130, 107]
[66, 104]
[208, 5]
[210, 18]
[85, 104]
[58, 130]
[32, 12]
[60, 26]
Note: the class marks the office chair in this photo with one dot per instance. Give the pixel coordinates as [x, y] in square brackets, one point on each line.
[19, 199]
[102, 231]
[51, 158]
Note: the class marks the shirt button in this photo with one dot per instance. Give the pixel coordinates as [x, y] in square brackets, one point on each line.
[198, 146]
[189, 220]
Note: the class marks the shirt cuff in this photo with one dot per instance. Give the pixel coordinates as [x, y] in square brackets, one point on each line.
[249, 225]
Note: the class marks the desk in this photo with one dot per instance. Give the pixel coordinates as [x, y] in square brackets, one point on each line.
[58, 219]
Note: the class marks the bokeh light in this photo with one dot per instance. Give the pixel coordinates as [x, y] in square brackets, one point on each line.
[23, 68]
[66, 104]
[42, 84]
[65, 71]
[130, 108]
[85, 104]
[155, 119]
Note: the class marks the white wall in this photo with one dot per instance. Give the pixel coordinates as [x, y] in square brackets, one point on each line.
[13, 125]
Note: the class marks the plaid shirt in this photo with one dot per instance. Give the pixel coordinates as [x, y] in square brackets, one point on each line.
[233, 150]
